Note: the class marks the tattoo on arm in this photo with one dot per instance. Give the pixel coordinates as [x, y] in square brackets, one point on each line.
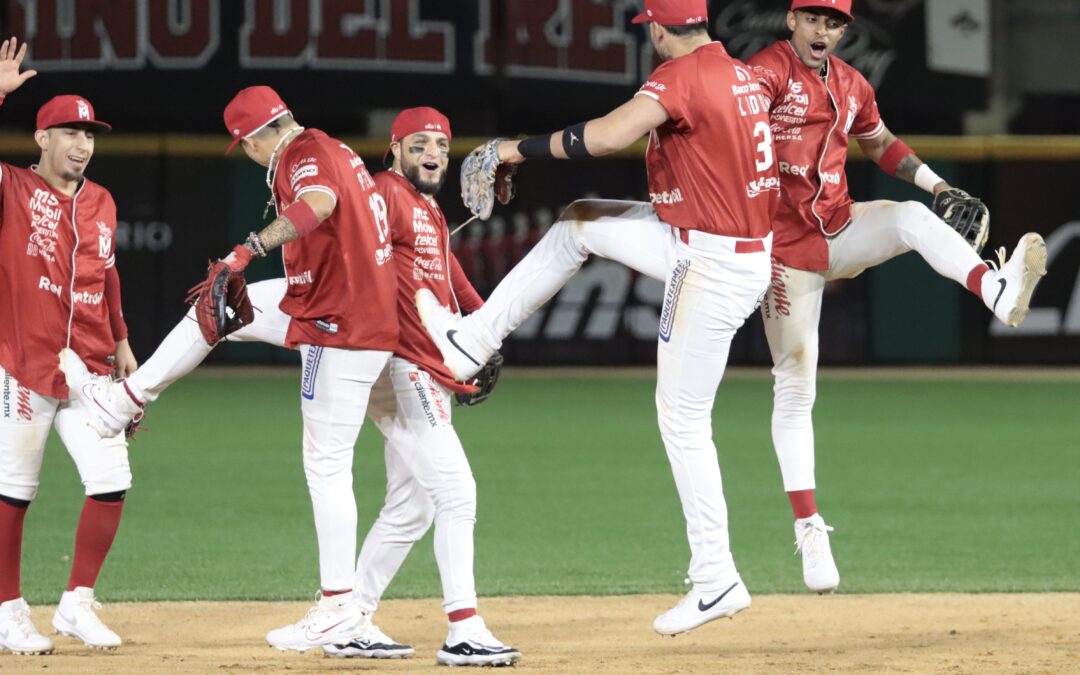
[907, 167]
[280, 231]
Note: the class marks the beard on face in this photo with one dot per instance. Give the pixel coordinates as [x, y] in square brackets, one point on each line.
[431, 188]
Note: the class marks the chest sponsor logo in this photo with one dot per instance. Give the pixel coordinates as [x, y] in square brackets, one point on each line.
[306, 171]
[756, 187]
[667, 197]
[82, 297]
[425, 234]
[45, 214]
[794, 169]
[830, 177]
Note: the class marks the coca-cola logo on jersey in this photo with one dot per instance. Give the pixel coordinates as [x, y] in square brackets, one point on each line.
[45, 213]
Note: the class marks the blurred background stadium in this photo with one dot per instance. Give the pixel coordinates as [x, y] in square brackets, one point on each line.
[987, 91]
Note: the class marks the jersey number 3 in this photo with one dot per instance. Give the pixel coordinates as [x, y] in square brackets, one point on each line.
[764, 147]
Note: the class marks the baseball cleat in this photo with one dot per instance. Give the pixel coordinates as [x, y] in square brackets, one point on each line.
[699, 607]
[462, 353]
[370, 643]
[819, 568]
[18, 634]
[333, 620]
[109, 407]
[75, 617]
[470, 643]
[1007, 288]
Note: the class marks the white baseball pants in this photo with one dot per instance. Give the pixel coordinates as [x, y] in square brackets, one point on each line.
[879, 231]
[25, 420]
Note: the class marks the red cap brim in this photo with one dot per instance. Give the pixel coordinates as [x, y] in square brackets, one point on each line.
[641, 18]
[232, 145]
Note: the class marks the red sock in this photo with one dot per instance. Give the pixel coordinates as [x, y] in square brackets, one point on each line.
[330, 594]
[461, 614]
[93, 539]
[11, 529]
[802, 503]
[975, 277]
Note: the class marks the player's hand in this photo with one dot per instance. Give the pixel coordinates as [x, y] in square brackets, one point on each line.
[11, 58]
[508, 152]
[125, 363]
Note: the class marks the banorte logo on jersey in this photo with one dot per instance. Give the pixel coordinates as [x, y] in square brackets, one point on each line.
[45, 214]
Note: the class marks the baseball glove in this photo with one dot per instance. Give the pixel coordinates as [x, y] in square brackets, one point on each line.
[485, 382]
[484, 179]
[965, 214]
[221, 303]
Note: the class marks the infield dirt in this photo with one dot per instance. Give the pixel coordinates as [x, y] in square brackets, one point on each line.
[1025, 633]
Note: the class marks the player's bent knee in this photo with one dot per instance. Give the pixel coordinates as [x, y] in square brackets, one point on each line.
[117, 480]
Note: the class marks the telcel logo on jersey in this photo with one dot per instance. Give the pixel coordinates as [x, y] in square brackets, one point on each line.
[665, 197]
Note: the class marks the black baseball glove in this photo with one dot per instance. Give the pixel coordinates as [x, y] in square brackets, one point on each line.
[221, 303]
[965, 214]
[485, 382]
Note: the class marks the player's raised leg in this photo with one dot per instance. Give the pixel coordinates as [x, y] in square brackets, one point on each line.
[881, 230]
[790, 313]
[112, 406]
[626, 232]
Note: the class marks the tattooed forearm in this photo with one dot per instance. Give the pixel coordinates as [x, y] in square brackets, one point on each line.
[280, 231]
[907, 167]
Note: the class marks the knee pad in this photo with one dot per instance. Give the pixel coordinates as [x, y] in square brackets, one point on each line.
[107, 497]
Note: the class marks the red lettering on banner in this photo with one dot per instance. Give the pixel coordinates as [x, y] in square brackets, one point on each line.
[105, 30]
[274, 33]
[560, 39]
[183, 33]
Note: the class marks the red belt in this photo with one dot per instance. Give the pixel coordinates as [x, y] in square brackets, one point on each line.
[741, 246]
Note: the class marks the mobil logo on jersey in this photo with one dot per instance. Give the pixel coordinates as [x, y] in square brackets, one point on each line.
[45, 214]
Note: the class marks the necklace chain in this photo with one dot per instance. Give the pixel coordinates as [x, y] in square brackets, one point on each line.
[271, 167]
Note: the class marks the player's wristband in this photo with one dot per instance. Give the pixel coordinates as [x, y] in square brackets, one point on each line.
[890, 160]
[535, 146]
[239, 258]
[573, 142]
[302, 217]
[926, 178]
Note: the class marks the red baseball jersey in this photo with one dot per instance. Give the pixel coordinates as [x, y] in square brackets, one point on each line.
[711, 165]
[423, 260]
[812, 118]
[54, 251]
[342, 284]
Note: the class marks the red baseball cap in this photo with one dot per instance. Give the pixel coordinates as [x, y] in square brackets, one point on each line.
[251, 110]
[842, 6]
[674, 12]
[69, 110]
[413, 121]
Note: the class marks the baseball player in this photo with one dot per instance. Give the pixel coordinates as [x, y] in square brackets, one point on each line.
[340, 297]
[428, 476]
[817, 102]
[714, 185]
[59, 296]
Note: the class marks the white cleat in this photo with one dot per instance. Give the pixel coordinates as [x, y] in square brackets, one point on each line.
[333, 620]
[75, 617]
[1007, 290]
[819, 568]
[369, 642]
[698, 608]
[462, 353]
[18, 634]
[470, 643]
[109, 408]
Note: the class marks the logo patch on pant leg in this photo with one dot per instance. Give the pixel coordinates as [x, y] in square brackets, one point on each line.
[671, 299]
[311, 370]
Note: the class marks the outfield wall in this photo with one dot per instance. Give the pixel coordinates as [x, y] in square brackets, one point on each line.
[180, 203]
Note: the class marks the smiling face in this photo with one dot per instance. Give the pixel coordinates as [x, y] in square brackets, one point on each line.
[423, 158]
[65, 152]
[815, 34]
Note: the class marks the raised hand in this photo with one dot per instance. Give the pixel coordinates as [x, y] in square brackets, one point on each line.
[11, 58]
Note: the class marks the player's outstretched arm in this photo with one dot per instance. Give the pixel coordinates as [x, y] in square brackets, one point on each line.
[897, 159]
[11, 58]
[605, 135]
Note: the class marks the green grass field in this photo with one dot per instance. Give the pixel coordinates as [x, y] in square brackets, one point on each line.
[942, 485]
